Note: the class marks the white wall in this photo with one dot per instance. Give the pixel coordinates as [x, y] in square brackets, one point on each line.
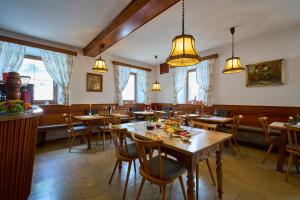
[84, 64]
[231, 89]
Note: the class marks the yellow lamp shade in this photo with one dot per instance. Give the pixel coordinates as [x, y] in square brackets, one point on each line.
[233, 65]
[156, 87]
[183, 52]
[100, 66]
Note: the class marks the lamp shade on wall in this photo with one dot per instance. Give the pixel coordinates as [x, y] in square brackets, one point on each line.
[183, 52]
[156, 87]
[233, 65]
[100, 66]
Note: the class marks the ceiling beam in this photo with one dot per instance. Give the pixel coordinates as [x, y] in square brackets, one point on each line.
[133, 16]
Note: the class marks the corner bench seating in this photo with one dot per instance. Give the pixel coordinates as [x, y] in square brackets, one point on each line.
[43, 129]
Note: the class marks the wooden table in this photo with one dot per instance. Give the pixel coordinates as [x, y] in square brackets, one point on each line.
[215, 119]
[203, 144]
[88, 121]
[282, 143]
[145, 114]
[188, 117]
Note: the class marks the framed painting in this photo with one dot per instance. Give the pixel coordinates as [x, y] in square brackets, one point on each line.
[94, 82]
[265, 73]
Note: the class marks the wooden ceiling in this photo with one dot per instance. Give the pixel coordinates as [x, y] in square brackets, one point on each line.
[133, 16]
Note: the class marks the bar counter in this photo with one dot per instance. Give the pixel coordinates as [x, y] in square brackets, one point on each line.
[18, 135]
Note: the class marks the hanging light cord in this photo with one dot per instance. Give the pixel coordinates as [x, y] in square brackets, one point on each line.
[156, 66]
[183, 42]
[232, 30]
[182, 17]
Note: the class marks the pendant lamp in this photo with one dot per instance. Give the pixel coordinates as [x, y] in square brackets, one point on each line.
[100, 65]
[156, 86]
[233, 64]
[183, 52]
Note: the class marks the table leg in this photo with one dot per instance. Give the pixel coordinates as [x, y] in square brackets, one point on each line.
[282, 144]
[190, 185]
[219, 174]
[89, 135]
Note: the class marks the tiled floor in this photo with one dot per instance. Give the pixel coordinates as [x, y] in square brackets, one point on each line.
[84, 175]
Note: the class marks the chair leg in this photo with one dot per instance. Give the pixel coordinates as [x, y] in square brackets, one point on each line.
[210, 172]
[103, 139]
[134, 166]
[289, 167]
[71, 144]
[140, 189]
[98, 138]
[231, 147]
[163, 195]
[113, 173]
[197, 181]
[127, 177]
[268, 152]
[237, 144]
[182, 187]
[296, 163]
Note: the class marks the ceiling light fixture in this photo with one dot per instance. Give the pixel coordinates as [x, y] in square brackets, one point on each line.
[183, 51]
[156, 86]
[233, 64]
[100, 65]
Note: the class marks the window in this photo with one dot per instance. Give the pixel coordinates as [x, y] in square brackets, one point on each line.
[192, 86]
[44, 86]
[128, 93]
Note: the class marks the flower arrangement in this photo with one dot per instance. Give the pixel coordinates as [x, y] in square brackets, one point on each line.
[14, 106]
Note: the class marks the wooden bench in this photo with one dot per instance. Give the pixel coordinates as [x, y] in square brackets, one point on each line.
[43, 129]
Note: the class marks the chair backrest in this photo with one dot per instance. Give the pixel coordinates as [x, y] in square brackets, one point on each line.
[263, 121]
[221, 113]
[68, 119]
[211, 127]
[119, 137]
[236, 123]
[115, 120]
[145, 151]
[293, 134]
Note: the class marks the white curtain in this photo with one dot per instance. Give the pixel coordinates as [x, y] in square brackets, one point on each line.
[121, 77]
[179, 82]
[142, 86]
[59, 66]
[11, 56]
[204, 76]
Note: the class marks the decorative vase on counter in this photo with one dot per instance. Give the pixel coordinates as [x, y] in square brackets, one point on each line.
[13, 85]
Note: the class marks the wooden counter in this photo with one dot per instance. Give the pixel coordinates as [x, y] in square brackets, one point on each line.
[18, 135]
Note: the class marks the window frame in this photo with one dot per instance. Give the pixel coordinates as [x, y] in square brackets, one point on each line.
[135, 87]
[187, 85]
[42, 102]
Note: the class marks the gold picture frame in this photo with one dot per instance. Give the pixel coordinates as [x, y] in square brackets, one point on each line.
[94, 82]
[268, 73]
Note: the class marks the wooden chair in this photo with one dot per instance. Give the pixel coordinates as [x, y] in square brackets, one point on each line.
[270, 140]
[158, 170]
[105, 128]
[74, 131]
[211, 127]
[293, 147]
[124, 153]
[235, 125]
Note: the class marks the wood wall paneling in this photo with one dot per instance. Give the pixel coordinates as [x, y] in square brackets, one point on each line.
[53, 113]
